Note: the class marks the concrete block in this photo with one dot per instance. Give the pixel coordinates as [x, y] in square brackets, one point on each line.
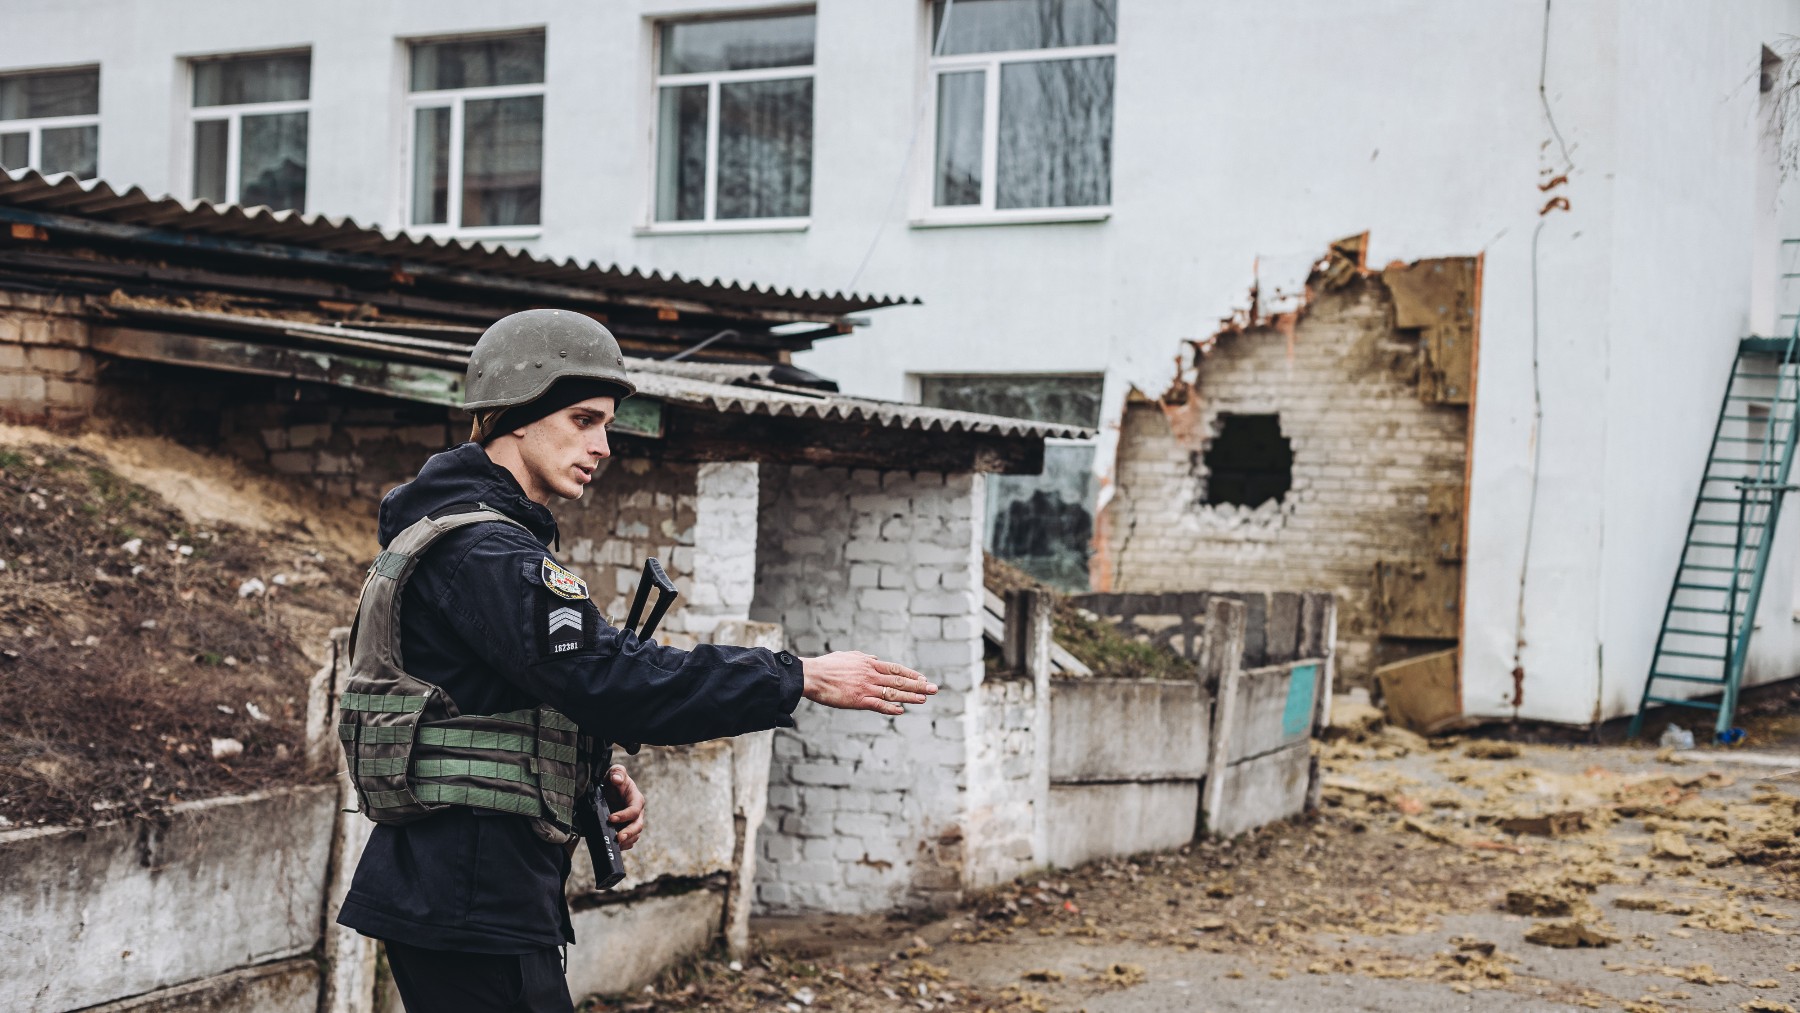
[690, 791]
[1263, 790]
[285, 986]
[1263, 707]
[1098, 821]
[1128, 729]
[875, 600]
[97, 914]
[942, 603]
[623, 947]
[292, 462]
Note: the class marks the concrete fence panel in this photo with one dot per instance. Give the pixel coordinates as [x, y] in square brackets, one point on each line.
[1128, 730]
[90, 915]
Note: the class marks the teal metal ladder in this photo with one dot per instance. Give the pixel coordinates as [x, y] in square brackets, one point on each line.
[1705, 636]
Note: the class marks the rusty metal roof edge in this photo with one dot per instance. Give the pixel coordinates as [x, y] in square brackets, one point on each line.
[62, 193]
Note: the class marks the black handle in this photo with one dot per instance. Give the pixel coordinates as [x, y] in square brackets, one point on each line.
[666, 595]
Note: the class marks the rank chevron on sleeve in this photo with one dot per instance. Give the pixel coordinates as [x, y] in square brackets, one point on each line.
[565, 619]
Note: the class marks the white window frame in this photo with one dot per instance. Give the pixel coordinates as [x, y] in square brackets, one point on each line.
[713, 79]
[234, 116]
[454, 99]
[34, 128]
[926, 213]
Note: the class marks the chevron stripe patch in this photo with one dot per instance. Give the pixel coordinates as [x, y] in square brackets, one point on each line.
[565, 619]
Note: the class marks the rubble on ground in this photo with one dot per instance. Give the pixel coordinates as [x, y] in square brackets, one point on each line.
[1566, 854]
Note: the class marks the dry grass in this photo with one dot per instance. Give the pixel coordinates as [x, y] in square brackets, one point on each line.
[1099, 644]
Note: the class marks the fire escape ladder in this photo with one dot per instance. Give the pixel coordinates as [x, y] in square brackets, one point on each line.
[1705, 635]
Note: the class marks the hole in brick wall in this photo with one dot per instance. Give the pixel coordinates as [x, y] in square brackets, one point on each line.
[1249, 462]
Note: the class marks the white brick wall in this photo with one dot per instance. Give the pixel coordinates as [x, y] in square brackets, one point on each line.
[867, 812]
[724, 550]
[1366, 449]
[1007, 781]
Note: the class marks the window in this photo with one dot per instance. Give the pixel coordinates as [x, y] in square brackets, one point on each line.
[1044, 523]
[1024, 96]
[477, 133]
[734, 119]
[1249, 462]
[250, 120]
[50, 121]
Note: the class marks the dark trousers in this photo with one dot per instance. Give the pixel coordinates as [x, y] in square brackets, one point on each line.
[440, 981]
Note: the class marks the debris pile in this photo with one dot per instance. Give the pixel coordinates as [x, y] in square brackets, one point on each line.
[135, 672]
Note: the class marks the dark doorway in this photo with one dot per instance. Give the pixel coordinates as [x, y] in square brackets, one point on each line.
[1249, 462]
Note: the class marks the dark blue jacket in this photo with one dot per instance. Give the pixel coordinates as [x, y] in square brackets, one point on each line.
[480, 881]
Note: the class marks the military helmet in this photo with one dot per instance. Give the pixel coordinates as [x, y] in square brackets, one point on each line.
[521, 355]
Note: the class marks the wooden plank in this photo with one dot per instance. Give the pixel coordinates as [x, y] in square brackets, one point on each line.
[409, 382]
[1437, 297]
[1444, 514]
[1419, 600]
[1422, 693]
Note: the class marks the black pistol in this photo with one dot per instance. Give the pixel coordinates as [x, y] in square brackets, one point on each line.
[593, 813]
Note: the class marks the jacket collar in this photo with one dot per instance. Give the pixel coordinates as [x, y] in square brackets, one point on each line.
[463, 475]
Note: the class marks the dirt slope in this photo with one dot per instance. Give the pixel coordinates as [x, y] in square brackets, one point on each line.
[154, 600]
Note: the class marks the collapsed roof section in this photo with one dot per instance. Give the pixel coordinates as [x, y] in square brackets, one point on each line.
[394, 272]
[167, 283]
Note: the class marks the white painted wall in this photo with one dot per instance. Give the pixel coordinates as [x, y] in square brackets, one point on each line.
[1242, 130]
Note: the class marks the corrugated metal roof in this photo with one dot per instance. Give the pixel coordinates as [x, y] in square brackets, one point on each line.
[765, 400]
[719, 388]
[95, 199]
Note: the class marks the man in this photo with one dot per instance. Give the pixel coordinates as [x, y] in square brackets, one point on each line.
[483, 679]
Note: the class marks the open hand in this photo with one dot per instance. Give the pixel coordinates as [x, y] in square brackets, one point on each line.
[628, 819]
[852, 680]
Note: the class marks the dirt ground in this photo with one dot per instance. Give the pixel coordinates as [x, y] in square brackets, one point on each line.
[161, 613]
[1443, 875]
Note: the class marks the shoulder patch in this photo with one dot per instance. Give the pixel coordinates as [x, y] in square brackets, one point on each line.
[561, 582]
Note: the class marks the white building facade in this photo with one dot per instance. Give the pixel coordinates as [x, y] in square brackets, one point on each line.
[1074, 189]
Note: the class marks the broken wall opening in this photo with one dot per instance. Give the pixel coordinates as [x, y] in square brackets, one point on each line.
[1249, 462]
[1368, 383]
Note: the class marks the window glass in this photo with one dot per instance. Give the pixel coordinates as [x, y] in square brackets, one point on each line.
[70, 149]
[211, 144]
[478, 63]
[1044, 523]
[989, 26]
[1070, 400]
[1055, 142]
[272, 161]
[681, 154]
[54, 93]
[765, 149]
[431, 166]
[15, 151]
[961, 99]
[240, 80]
[503, 149]
[690, 47]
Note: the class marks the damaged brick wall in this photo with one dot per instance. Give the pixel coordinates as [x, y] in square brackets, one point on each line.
[46, 372]
[866, 811]
[1375, 450]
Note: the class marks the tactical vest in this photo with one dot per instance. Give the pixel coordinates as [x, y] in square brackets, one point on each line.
[411, 753]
